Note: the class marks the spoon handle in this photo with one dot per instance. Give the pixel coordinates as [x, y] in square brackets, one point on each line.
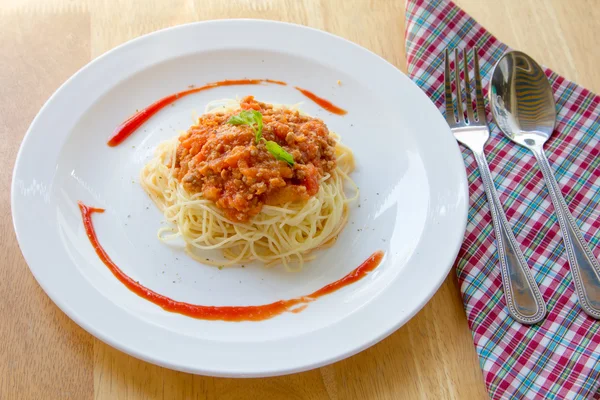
[585, 269]
[523, 297]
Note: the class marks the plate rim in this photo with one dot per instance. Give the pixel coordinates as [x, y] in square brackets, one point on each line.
[88, 327]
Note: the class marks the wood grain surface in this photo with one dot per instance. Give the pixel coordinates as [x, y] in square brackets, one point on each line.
[44, 355]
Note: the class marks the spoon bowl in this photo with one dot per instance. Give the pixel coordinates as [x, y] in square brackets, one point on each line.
[521, 100]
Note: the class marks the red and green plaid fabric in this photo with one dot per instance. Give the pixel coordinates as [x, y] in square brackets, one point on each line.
[559, 358]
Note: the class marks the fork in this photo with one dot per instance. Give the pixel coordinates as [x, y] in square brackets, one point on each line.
[523, 298]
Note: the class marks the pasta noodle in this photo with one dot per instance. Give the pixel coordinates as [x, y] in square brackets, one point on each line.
[284, 234]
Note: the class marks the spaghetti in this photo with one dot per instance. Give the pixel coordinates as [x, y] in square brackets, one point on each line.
[220, 188]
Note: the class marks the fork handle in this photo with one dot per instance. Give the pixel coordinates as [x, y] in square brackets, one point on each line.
[523, 298]
[585, 269]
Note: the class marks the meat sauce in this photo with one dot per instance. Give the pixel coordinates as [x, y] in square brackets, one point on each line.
[225, 164]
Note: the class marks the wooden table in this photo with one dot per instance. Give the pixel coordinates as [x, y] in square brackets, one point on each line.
[44, 355]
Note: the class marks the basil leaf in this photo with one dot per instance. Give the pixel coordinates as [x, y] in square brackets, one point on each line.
[259, 125]
[252, 118]
[237, 120]
[279, 152]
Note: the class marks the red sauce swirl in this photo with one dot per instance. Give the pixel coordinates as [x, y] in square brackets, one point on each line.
[132, 123]
[124, 130]
[222, 313]
[326, 104]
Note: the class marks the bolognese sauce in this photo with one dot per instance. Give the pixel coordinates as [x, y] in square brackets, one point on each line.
[226, 165]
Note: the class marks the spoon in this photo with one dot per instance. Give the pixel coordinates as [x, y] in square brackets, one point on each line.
[523, 107]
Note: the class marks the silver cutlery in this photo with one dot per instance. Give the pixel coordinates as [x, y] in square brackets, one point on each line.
[523, 297]
[523, 107]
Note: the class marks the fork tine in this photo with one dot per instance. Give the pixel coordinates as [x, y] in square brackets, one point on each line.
[478, 93]
[469, 101]
[459, 108]
[450, 118]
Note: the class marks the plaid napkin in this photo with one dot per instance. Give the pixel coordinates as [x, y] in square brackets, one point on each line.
[559, 358]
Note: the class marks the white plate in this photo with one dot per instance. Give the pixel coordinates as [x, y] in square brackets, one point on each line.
[410, 172]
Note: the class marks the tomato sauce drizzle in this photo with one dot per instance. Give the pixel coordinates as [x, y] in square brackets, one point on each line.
[326, 104]
[124, 130]
[282, 83]
[132, 123]
[222, 313]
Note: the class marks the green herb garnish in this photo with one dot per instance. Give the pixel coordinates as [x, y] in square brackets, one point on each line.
[279, 152]
[254, 120]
